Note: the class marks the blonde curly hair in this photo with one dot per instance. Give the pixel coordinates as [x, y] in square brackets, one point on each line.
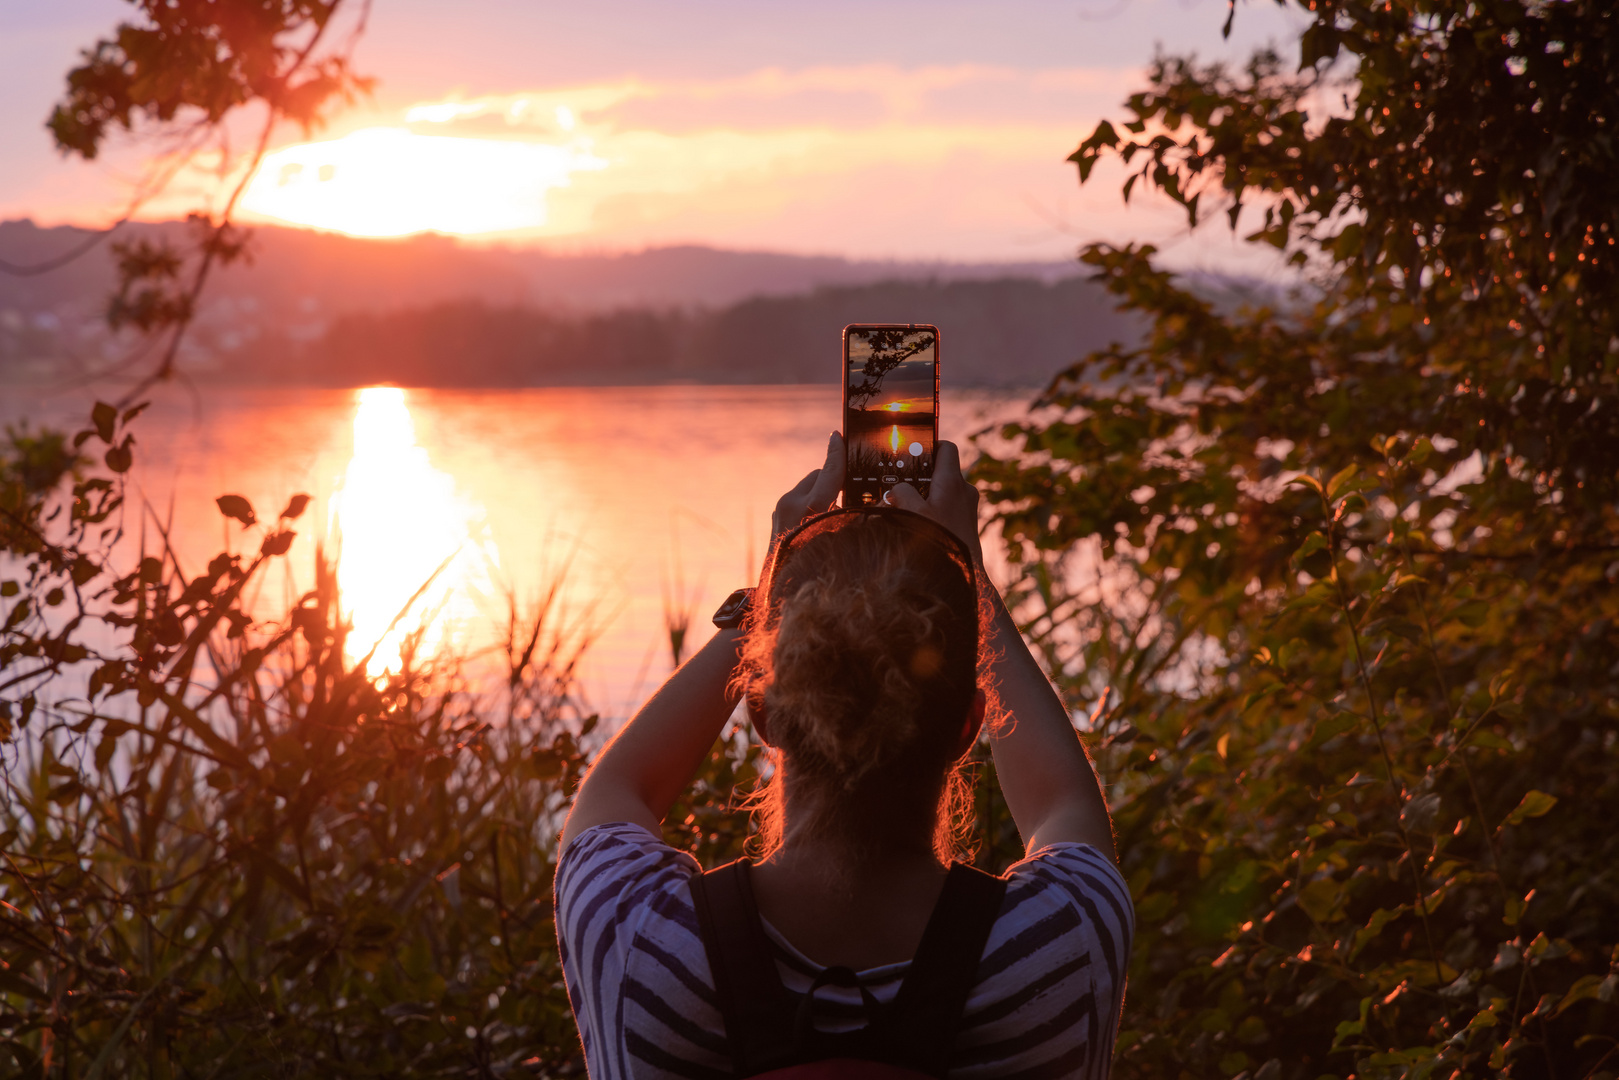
[862, 651]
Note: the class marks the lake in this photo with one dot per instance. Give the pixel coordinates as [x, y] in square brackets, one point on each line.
[640, 501]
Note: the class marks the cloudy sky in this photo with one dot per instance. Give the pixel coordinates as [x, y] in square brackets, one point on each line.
[878, 128]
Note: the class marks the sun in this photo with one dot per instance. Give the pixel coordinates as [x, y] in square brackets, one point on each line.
[394, 182]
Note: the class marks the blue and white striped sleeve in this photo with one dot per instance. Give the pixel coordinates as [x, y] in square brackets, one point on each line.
[607, 881]
[1092, 884]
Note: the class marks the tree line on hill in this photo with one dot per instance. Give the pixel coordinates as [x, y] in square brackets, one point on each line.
[1008, 332]
[1004, 333]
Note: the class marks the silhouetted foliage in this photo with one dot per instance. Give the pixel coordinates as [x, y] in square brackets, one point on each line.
[175, 74]
[228, 849]
[1338, 582]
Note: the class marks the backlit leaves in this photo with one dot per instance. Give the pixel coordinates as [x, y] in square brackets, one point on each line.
[179, 58]
[1532, 805]
[178, 72]
[1365, 533]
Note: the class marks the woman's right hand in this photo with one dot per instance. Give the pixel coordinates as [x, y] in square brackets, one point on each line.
[953, 502]
[817, 492]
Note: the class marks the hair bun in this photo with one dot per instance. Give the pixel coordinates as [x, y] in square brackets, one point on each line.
[868, 652]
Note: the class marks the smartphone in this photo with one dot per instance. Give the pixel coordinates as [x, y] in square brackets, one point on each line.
[890, 408]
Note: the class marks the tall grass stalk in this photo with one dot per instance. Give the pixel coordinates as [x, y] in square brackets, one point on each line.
[226, 849]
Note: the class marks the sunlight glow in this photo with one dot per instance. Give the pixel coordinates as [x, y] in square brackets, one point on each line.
[893, 439]
[897, 406]
[393, 182]
[398, 519]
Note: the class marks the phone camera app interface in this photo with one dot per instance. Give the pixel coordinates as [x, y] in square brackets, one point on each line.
[889, 419]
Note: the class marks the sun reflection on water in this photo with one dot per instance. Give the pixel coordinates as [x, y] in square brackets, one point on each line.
[399, 521]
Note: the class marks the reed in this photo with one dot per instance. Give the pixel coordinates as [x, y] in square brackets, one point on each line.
[226, 848]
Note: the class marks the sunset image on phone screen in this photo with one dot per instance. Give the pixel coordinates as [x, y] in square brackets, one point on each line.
[890, 409]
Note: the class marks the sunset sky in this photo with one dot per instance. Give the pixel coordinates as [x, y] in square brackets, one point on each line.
[874, 129]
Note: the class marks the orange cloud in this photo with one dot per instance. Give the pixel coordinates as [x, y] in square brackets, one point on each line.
[871, 160]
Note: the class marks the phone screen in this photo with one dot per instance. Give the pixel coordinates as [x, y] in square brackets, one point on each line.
[890, 409]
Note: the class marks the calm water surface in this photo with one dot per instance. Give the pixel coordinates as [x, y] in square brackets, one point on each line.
[639, 500]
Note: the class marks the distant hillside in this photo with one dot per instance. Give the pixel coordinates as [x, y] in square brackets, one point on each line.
[317, 308]
[993, 333]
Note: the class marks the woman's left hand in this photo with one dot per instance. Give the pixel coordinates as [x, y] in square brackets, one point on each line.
[817, 492]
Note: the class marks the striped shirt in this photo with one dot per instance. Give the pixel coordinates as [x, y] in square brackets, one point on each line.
[1046, 1002]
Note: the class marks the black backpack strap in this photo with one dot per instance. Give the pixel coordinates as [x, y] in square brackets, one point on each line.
[758, 1013]
[928, 1008]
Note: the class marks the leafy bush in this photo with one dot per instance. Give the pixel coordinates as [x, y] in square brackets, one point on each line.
[227, 850]
[1337, 578]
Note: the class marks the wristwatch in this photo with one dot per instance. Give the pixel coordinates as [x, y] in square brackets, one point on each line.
[734, 610]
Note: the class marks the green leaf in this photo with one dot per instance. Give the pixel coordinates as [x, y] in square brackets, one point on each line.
[1347, 1029]
[1320, 899]
[1515, 907]
[1403, 628]
[1331, 726]
[1255, 697]
[1473, 613]
[1532, 805]
[1585, 988]
[1319, 594]
[1312, 544]
[1242, 876]
[1374, 926]
[1339, 479]
[1499, 682]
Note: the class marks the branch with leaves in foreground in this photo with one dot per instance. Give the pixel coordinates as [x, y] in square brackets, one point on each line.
[1334, 571]
[176, 77]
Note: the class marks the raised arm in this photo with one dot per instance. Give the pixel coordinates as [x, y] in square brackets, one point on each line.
[1047, 778]
[646, 766]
